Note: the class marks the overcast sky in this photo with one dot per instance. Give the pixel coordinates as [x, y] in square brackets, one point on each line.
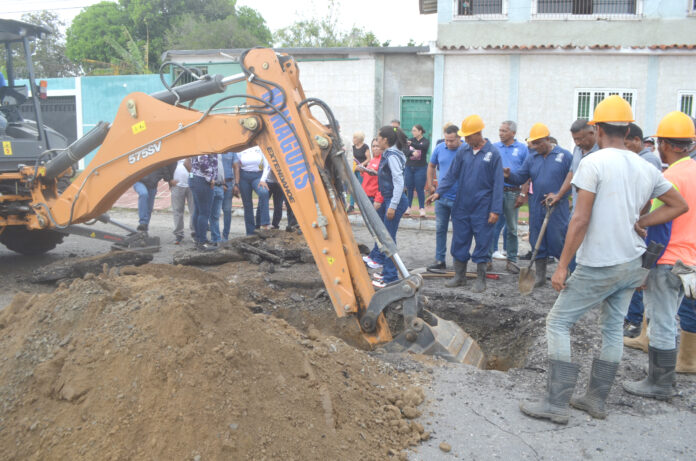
[394, 20]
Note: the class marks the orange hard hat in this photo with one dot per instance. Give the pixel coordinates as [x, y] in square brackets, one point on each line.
[676, 125]
[472, 124]
[614, 110]
[538, 131]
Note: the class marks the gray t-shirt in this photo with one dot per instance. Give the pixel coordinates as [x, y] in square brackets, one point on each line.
[577, 156]
[650, 157]
[622, 183]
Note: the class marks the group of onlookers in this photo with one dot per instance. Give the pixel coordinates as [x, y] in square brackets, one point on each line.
[206, 184]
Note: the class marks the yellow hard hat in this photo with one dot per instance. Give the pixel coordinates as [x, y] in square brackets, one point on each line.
[472, 124]
[676, 125]
[614, 110]
[538, 131]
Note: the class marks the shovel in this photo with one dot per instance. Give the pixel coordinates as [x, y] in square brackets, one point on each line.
[527, 274]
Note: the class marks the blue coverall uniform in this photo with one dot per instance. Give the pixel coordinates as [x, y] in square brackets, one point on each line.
[547, 174]
[479, 179]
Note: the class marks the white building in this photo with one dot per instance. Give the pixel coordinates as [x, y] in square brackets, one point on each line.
[552, 61]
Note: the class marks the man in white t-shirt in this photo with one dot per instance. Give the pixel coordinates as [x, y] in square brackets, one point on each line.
[607, 232]
[181, 196]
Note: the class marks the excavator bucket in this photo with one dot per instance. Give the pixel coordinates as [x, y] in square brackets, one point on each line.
[439, 337]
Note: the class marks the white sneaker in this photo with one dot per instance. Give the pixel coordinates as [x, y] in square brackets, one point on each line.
[378, 276]
[498, 255]
[366, 259]
[378, 284]
[373, 265]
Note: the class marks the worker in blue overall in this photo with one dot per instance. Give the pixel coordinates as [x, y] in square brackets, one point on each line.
[477, 170]
[547, 165]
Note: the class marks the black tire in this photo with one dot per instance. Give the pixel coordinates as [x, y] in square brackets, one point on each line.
[30, 242]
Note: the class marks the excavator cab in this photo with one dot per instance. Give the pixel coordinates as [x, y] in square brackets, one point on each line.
[24, 140]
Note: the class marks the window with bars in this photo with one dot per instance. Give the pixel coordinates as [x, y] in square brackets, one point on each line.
[587, 7]
[479, 7]
[686, 102]
[586, 99]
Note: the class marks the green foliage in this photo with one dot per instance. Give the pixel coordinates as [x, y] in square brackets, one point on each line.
[324, 33]
[131, 59]
[91, 33]
[244, 29]
[153, 26]
[48, 53]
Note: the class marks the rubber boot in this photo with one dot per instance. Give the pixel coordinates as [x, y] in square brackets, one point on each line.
[601, 379]
[540, 279]
[641, 341]
[658, 383]
[480, 285]
[459, 279]
[686, 358]
[561, 380]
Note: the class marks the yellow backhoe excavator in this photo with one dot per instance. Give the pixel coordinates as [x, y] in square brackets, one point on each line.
[151, 131]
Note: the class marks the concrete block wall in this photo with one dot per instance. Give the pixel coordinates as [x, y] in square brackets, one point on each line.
[348, 87]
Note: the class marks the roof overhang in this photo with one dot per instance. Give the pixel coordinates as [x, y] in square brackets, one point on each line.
[15, 31]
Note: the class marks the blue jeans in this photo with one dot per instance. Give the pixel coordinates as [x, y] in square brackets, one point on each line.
[203, 201]
[215, 209]
[662, 297]
[588, 287]
[443, 211]
[375, 254]
[687, 315]
[248, 184]
[499, 226]
[389, 272]
[635, 308]
[359, 176]
[227, 211]
[414, 179]
[146, 201]
[509, 220]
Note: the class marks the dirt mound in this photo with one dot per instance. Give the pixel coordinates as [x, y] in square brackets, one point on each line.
[167, 362]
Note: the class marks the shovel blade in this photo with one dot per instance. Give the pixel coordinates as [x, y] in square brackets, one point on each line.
[526, 282]
[441, 338]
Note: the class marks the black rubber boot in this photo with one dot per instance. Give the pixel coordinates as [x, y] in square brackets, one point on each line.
[540, 265]
[658, 383]
[601, 379]
[459, 279]
[480, 285]
[561, 380]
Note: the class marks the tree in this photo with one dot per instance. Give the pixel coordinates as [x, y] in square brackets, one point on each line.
[91, 33]
[244, 29]
[48, 53]
[324, 33]
[157, 25]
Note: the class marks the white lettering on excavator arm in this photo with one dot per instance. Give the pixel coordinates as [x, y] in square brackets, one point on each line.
[152, 149]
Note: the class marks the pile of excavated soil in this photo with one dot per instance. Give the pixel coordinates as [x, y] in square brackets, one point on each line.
[167, 362]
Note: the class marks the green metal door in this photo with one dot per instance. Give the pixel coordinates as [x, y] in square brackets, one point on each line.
[418, 110]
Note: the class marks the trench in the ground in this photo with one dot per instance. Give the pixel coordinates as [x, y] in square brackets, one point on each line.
[504, 335]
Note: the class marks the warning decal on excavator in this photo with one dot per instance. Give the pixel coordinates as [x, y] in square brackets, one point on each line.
[7, 147]
[139, 127]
